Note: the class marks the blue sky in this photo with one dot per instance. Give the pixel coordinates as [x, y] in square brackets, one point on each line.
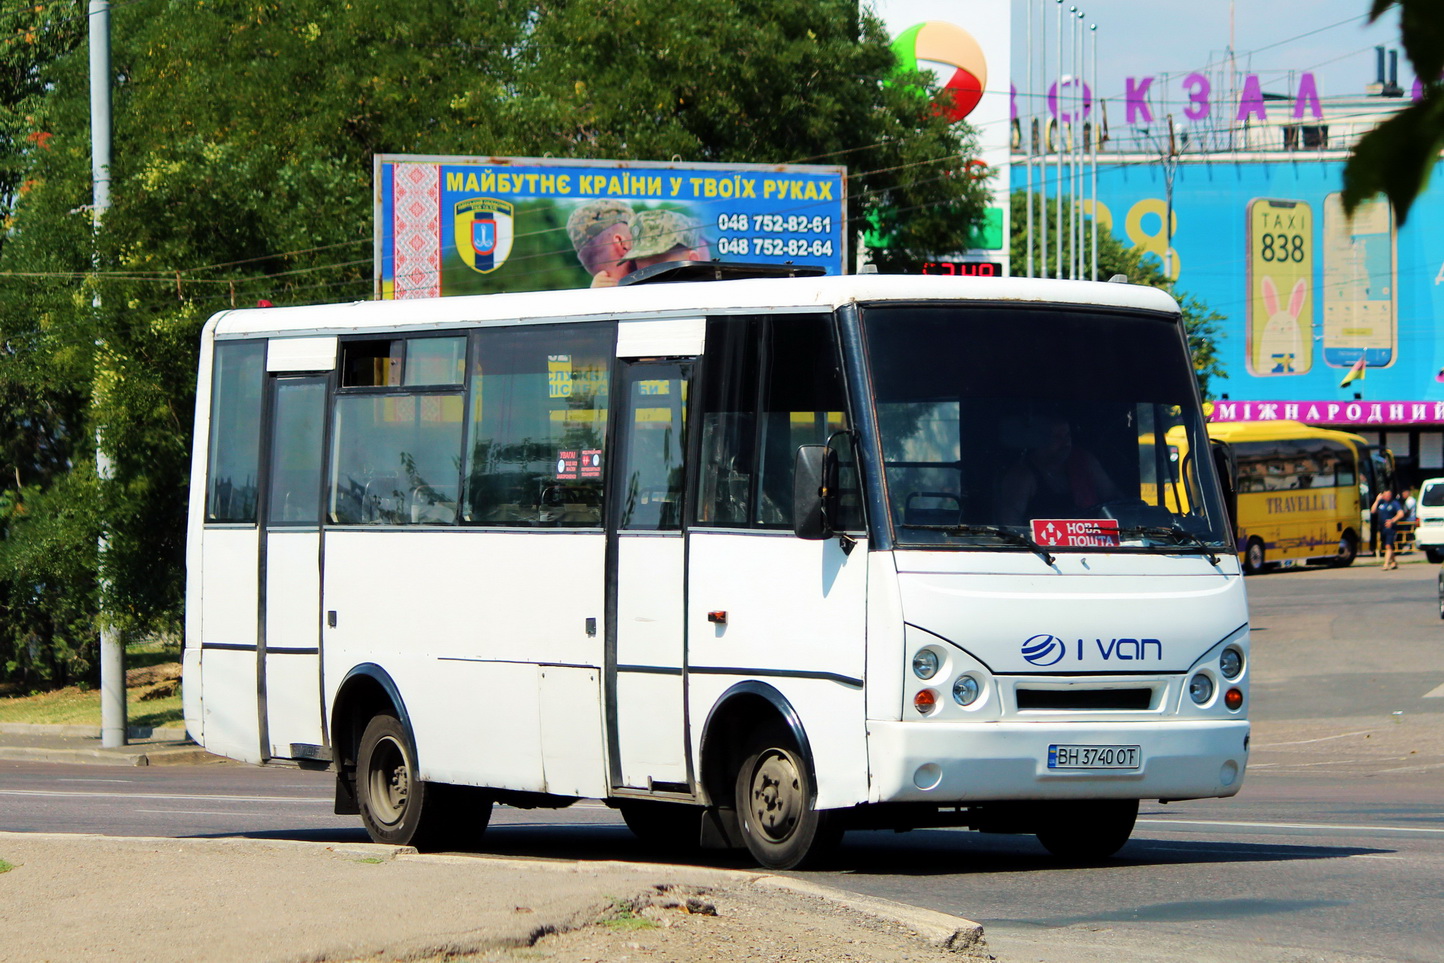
[1143, 38]
[1270, 37]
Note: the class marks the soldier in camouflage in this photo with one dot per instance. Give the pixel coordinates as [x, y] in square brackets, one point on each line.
[664, 235]
[600, 233]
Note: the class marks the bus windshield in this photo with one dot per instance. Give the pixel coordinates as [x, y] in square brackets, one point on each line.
[992, 418]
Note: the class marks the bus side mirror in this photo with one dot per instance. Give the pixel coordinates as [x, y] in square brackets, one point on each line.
[1227, 471]
[813, 485]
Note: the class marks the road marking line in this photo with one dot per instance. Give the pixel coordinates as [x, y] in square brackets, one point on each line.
[1306, 742]
[1436, 693]
[96, 780]
[1247, 825]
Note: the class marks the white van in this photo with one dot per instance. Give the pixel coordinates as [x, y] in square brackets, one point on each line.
[1429, 535]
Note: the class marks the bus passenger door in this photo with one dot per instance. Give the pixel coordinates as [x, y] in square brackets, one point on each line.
[290, 597]
[646, 563]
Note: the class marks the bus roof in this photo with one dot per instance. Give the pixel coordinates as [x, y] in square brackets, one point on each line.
[1280, 430]
[681, 299]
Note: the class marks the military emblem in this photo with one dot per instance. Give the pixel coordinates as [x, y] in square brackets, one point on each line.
[484, 232]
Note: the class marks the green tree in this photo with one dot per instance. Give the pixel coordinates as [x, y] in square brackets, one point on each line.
[1397, 157]
[1204, 325]
[244, 137]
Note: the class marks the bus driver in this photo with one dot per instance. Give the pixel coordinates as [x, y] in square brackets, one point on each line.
[1052, 478]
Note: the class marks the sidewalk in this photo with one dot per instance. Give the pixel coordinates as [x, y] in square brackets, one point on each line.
[74, 896]
[81, 744]
[69, 897]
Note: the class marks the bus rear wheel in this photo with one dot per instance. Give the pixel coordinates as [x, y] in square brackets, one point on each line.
[1253, 557]
[774, 796]
[400, 809]
[1348, 550]
[1088, 830]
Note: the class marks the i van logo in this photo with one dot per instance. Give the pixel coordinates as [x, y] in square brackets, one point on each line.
[484, 232]
[1046, 650]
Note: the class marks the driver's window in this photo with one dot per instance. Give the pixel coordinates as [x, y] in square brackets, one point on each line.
[771, 385]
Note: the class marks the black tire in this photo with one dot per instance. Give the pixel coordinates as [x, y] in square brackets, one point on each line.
[1434, 555]
[399, 809]
[1348, 551]
[1253, 557]
[775, 798]
[1088, 830]
[670, 827]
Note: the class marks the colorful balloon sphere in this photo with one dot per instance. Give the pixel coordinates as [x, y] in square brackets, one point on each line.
[953, 47]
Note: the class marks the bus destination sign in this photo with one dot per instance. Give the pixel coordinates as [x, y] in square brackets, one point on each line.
[1076, 532]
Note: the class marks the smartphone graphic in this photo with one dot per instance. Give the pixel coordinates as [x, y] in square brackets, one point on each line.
[1360, 296]
[1280, 317]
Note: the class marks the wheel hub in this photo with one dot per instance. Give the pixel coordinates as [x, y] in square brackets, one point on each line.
[776, 795]
[390, 783]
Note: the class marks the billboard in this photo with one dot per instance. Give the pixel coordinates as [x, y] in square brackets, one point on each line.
[481, 225]
[1327, 319]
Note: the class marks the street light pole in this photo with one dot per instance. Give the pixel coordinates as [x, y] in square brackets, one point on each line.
[112, 651]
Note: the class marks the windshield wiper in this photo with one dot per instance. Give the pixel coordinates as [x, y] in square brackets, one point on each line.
[1178, 533]
[1006, 534]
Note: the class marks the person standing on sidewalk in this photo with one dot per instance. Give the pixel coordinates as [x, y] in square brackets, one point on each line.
[1391, 513]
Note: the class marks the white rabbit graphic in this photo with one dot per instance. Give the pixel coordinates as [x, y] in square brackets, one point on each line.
[1282, 347]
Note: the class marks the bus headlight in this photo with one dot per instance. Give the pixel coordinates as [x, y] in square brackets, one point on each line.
[966, 690]
[925, 664]
[1200, 689]
[1230, 663]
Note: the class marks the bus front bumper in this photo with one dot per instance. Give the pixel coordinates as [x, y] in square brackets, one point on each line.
[947, 763]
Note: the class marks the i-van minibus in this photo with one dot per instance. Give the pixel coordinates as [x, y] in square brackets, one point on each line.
[753, 561]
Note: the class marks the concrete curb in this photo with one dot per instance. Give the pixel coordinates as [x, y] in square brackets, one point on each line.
[945, 931]
[952, 933]
[154, 756]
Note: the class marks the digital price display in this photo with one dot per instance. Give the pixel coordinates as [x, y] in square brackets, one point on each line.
[965, 269]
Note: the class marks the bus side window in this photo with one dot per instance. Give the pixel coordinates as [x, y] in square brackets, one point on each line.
[395, 459]
[537, 426]
[803, 403]
[771, 384]
[396, 446]
[232, 479]
[728, 420]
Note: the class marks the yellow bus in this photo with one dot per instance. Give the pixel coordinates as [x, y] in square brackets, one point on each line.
[1302, 493]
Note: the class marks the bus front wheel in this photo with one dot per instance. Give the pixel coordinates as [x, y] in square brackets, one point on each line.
[400, 809]
[775, 795]
[1088, 830]
[1253, 557]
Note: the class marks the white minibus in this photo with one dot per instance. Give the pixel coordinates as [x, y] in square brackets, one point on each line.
[753, 561]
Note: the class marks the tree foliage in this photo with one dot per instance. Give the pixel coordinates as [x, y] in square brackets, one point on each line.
[244, 132]
[1139, 267]
[1397, 157]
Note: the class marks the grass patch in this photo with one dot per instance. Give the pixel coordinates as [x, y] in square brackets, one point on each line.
[149, 701]
[6, 867]
[73, 706]
[370, 860]
[623, 918]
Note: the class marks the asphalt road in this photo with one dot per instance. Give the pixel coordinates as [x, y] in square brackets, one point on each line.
[1333, 851]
